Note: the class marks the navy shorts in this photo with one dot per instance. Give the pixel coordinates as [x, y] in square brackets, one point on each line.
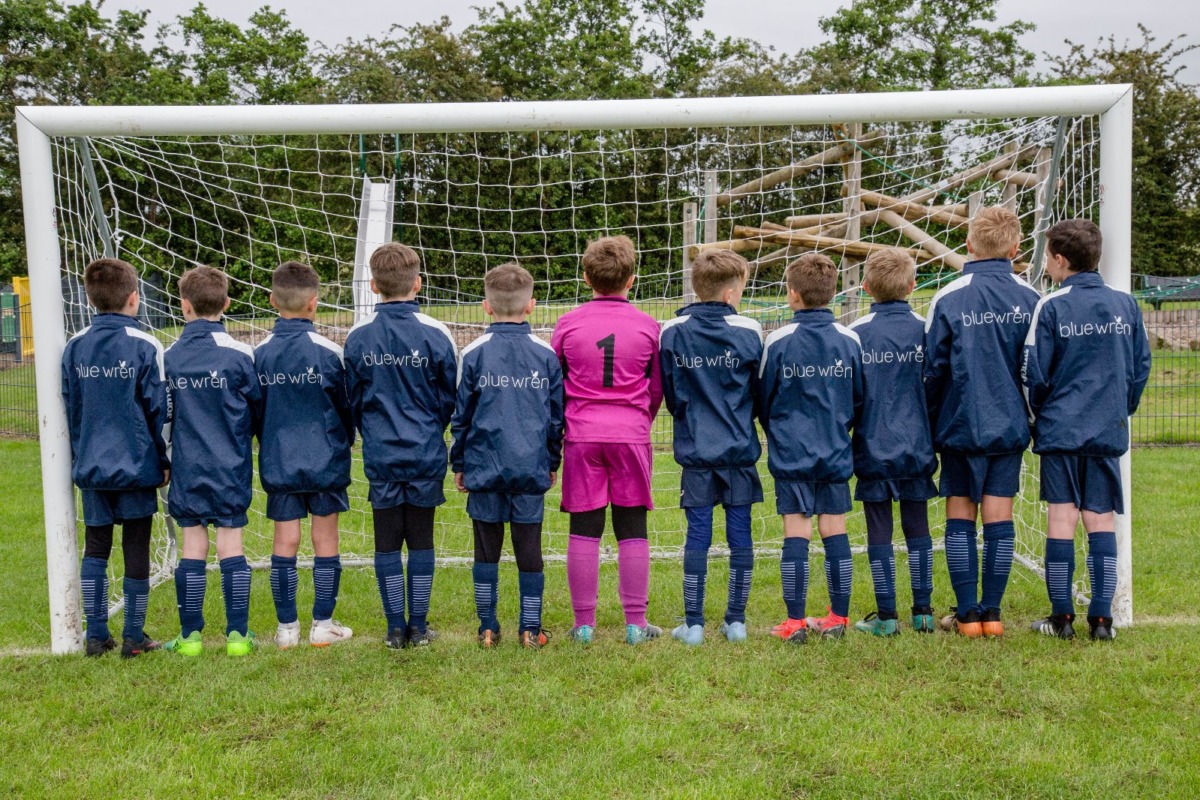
[811, 498]
[284, 507]
[736, 486]
[109, 507]
[426, 494]
[1090, 484]
[911, 489]
[504, 507]
[975, 476]
[231, 521]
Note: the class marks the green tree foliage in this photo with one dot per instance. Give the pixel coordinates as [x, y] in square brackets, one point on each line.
[1166, 144]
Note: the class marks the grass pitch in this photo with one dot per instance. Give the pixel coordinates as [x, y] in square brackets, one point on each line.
[909, 717]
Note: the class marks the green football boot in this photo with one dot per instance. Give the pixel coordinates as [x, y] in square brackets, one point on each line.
[875, 626]
[238, 645]
[190, 646]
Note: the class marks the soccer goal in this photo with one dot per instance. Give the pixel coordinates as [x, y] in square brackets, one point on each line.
[473, 185]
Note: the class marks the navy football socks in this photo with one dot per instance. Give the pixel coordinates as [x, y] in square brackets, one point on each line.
[389, 575]
[793, 570]
[741, 571]
[420, 587]
[327, 578]
[137, 595]
[882, 558]
[487, 589]
[920, 570]
[190, 585]
[1102, 572]
[235, 587]
[997, 562]
[695, 580]
[93, 578]
[962, 562]
[283, 587]
[1060, 573]
[532, 585]
[839, 572]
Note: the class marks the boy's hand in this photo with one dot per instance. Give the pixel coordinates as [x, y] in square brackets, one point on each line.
[458, 483]
[553, 479]
[166, 478]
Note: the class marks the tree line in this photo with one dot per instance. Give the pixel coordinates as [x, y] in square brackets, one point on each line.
[76, 54]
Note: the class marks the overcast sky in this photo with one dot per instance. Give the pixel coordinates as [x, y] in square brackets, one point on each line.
[788, 25]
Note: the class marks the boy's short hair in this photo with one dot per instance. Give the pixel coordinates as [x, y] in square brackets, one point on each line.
[1078, 241]
[206, 289]
[609, 262]
[293, 284]
[508, 289]
[813, 276]
[889, 275]
[395, 267]
[714, 271]
[994, 232]
[108, 283]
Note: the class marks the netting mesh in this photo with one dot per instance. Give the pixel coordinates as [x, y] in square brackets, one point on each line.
[470, 201]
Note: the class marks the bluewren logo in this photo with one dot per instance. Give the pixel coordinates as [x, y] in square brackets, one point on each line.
[728, 360]
[413, 360]
[122, 371]
[915, 356]
[213, 380]
[534, 380]
[309, 377]
[1013, 317]
[1114, 327]
[836, 370]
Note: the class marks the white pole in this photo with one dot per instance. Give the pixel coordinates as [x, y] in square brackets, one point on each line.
[1116, 223]
[46, 305]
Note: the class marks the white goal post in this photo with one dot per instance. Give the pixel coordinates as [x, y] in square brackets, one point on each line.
[37, 127]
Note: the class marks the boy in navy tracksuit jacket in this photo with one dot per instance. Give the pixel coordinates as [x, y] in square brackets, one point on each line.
[401, 370]
[217, 404]
[1087, 360]
[508, 431]
[118, 412]
[709, 357]
[973, 337]
[811, 395]
[893, 446]
[304, 451]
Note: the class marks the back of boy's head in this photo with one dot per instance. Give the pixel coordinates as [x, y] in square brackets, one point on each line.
[994, 232]
[293, 285]
[206, 289]
[508, 289]
[608, 264]
[889, 275]
[714, 271]
[1078, 241]
[395, 268]
[813, 276]
[108, 283]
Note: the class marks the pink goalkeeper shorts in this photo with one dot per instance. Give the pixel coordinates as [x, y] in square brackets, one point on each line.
[595, 474]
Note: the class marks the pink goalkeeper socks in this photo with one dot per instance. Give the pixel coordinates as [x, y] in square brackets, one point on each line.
[583, 577]
[633, 575]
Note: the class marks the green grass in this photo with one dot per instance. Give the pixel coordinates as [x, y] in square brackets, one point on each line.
[913, 717]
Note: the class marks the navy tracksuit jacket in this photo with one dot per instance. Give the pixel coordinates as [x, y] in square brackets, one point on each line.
[118, 406]
[508, 422]
[217, 404]
[974, 333]
[710, 357]
[1086, 362]
[401, 373]
[811, 394]
[892, 440]
[307, 428]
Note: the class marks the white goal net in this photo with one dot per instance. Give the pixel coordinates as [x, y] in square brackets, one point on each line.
[470, 200]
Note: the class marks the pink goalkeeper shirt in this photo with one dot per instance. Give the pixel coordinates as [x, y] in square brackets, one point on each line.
[609, 352]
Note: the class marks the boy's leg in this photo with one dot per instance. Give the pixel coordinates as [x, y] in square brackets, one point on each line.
[235, 581]
[962, 553]
[327, 566]
[914, 521]
[284, 577]
[839, 575]
[191, 582]
[793, 572]
[1061, 519]
[527, 546]
[695, 562]
[135, 546]
[881, 556]
[1102, 570]
[998, 538]
[741, 562]
[93, 578]
[418, 537]
[583, 565]
[489, 539]
[633, 563]
[388, 524]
